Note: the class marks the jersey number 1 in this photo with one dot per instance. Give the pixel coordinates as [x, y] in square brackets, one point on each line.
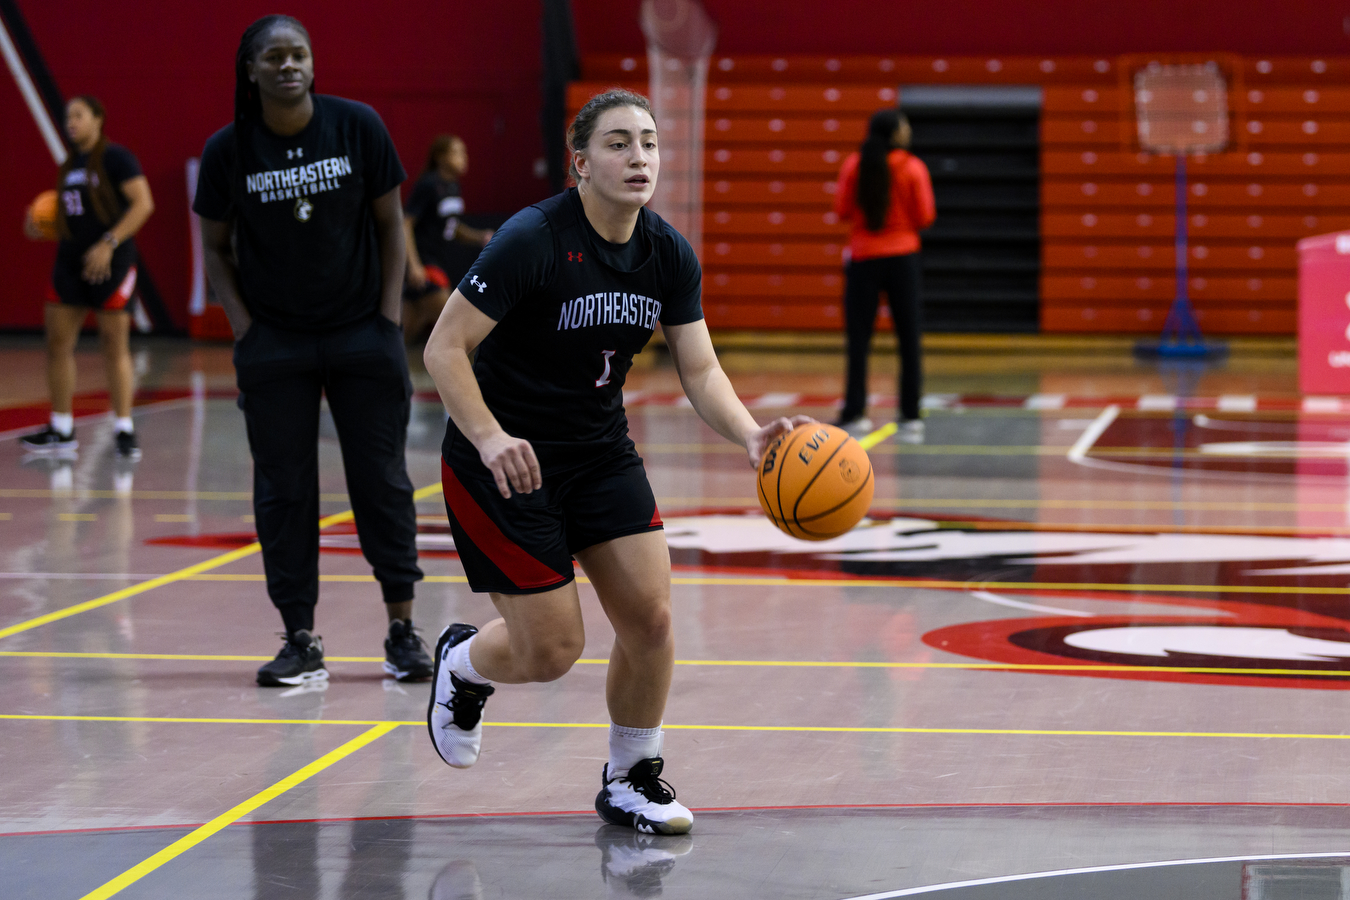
[604, 376]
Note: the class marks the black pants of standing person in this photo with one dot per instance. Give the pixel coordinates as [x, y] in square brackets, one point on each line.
[363, 372]
[899, 277]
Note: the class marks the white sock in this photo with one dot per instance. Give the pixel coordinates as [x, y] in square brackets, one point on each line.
[124, 424]
[628, 746]
[462, 666]
[63, 422]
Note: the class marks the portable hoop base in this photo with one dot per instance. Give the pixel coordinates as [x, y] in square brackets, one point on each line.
[1181, 338]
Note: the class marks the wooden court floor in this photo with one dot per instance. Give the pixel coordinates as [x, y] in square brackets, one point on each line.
[1091, 642]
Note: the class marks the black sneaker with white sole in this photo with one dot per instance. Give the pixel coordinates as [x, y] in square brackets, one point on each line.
[405, 653]
[49, 440]
[641, 800]
[455, 714]
[127, 445]
[299, 662]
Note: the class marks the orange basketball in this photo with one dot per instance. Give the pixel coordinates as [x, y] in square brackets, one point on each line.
[815, 482]
[42, 212]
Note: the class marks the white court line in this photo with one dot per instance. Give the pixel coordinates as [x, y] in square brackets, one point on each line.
[1236, 403]
[1008, 601]
[1158, 402]
[774, 401]
[1089, 870]
[1045, 401]
[1078, 452]
[107, 416]
[1321, 404]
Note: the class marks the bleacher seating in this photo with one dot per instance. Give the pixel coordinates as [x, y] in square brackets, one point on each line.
[777, 129]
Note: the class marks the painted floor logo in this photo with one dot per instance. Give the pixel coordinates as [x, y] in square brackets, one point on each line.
[1214, 608]
[1249, 609]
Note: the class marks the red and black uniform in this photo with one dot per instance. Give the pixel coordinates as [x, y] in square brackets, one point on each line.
[436, 208]
[572, 310]
[87, 229]
[885, 260]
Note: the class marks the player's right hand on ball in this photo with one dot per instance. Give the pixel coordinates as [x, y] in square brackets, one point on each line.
[512, 463]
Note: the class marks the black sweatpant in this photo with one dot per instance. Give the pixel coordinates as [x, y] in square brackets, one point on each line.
[363, 371]
[900, 278]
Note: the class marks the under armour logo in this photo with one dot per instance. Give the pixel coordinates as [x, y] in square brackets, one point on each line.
[481, 285]
[573, 256]
[294, 154]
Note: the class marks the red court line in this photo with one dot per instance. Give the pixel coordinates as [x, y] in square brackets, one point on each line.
[842, 807]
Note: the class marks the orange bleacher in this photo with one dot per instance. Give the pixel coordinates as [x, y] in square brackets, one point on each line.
[777, 129]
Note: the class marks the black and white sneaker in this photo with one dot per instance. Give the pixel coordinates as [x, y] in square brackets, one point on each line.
[405, 653]
[49, 440]
[455, 714]
[299, 662]
[642, 801]
[127, 445]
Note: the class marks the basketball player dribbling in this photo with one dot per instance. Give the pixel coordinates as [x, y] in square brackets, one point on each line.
[537, 464]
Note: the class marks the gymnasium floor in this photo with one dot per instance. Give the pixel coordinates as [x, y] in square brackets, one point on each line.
[1098, 622]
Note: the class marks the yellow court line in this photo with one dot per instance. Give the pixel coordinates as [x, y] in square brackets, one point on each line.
[878, 436]
[749, 663]
[188, 841]
[181, 575]
[807, 729]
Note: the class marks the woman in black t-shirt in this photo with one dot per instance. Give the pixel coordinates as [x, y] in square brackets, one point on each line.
[302, 235]
[102, 201]
[437, 238]
[538, 467]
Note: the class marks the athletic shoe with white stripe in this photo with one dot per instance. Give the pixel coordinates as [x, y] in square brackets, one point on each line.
[299, 662]
[455, 714]
[641, 800]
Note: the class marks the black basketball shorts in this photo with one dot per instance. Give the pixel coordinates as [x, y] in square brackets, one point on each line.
[524, 545]
[69, 287]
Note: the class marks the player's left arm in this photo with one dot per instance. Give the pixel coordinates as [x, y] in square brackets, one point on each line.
[387, 211]
[98, 259]
[711, 393]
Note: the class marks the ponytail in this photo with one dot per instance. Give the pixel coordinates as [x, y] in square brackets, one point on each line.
[874, 170]
[102, 192]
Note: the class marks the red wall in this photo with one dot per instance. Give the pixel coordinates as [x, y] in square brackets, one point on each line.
[165, 71]
[973, 27]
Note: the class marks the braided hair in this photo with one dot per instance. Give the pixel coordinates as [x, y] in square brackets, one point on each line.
[874, 171]
[247, 100]
[102, 192]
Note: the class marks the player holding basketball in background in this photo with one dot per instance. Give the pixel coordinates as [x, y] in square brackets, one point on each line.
[302, 235]
[537, 463]
[435, 234]
[102, 201]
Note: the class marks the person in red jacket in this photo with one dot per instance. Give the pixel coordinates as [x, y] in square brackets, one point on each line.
[886, 195]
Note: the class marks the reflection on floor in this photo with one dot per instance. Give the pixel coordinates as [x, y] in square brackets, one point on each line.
[1096, 621]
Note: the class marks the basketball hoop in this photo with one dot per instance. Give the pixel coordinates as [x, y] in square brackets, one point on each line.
[1181, 110]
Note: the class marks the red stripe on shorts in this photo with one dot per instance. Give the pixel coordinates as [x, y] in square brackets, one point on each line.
[124, 291]
[523, 569]
[656, 518]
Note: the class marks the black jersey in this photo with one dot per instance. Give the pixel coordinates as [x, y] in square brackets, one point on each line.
[86, 228]
[435, 206]
[572, 310]
[309, 259]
